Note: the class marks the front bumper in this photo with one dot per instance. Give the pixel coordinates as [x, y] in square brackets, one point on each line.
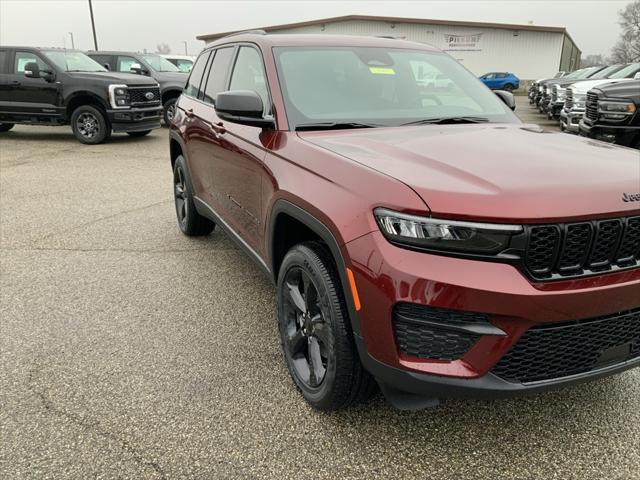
[386, 274]
[571, 120]
[135, 119]
[627, 135]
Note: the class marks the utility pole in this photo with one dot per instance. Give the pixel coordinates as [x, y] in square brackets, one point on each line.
[185, 47]
[73, 45]
[93, 26]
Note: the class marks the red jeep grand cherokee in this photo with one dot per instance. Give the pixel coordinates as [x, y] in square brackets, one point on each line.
[419, 236]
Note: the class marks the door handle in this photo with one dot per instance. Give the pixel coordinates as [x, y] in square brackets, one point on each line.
[189, 113]
[15, 83]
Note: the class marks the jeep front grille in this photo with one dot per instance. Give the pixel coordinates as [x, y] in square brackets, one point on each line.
[552, 351]
[580, 249]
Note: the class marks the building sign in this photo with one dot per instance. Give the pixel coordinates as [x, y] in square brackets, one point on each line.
[462, 43]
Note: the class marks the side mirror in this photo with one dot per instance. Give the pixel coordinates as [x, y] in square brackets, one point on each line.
[32, 70]
[107, 66]
[242, 106]
[507, 98]
[636, 76]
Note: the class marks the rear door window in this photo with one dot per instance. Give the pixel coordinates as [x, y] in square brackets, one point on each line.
[195, 79]
[217, 79]
[103, 60]
[4, 56]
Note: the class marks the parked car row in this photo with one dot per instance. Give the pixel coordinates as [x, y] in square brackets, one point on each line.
[96, 93]
[600, 102]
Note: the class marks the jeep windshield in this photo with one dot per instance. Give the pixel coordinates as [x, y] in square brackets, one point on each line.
[380, 87]
[71, 61]
[158, 63]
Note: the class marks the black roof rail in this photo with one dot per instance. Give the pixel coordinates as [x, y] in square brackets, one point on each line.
[243, 32]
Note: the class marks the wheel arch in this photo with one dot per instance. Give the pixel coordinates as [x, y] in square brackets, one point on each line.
[84, 97]
[279, 244]
[170, 92]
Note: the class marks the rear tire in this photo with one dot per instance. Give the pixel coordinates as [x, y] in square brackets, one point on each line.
[191, 223]
[5, 127]
[315, 331]
[89, 125]
[139, 134]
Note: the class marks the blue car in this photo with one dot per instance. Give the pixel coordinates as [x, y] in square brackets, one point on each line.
[501, 81]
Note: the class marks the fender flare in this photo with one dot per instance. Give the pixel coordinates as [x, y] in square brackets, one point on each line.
[325, 234]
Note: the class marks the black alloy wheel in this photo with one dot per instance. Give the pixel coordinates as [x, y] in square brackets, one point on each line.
[307, 335]
[315, 330]
[89, 125]
[191, 223]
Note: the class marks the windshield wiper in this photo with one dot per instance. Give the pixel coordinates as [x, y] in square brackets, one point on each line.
[447, 120]
[335, 125]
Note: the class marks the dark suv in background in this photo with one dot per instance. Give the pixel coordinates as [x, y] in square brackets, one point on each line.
[41, 86]
[424, 238]
[170, 77]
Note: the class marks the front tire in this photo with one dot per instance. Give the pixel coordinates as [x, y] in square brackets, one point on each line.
[89, 125]
[191, 223]
[508, 87]
[169, 110]
[139, 134]
[5, 127]
[315, 332]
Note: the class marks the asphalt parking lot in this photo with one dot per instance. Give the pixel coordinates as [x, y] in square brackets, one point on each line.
[131, 351]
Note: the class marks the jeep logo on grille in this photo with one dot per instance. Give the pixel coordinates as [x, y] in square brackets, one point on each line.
[149, 95]
[631, 197]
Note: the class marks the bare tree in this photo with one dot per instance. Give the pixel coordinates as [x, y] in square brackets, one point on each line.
[627, 48]
[592, 60]
[163, 48]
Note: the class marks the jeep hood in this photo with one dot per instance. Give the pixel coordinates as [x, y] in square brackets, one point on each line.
[586, 85]
[497, 172]
[113, 77]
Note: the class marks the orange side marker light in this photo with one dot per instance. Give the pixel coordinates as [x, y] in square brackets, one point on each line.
[354, 290]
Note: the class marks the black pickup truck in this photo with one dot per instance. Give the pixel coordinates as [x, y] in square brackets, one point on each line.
[40, 86]
[170, 77]
[612, 113]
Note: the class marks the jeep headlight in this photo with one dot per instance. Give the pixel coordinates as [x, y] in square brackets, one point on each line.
[444, 235]
[616, 110]
[119, 96]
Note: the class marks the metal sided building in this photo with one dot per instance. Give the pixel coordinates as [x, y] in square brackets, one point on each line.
[529, 51]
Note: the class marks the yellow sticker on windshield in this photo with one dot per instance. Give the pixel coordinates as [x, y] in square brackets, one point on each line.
[382, 70]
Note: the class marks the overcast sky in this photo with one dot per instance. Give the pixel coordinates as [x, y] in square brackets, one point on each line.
[142, 24]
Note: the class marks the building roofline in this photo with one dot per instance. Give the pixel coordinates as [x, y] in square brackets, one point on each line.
[457, 23]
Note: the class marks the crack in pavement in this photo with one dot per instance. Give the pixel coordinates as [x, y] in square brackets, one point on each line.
[94, 426]
[100, 219]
